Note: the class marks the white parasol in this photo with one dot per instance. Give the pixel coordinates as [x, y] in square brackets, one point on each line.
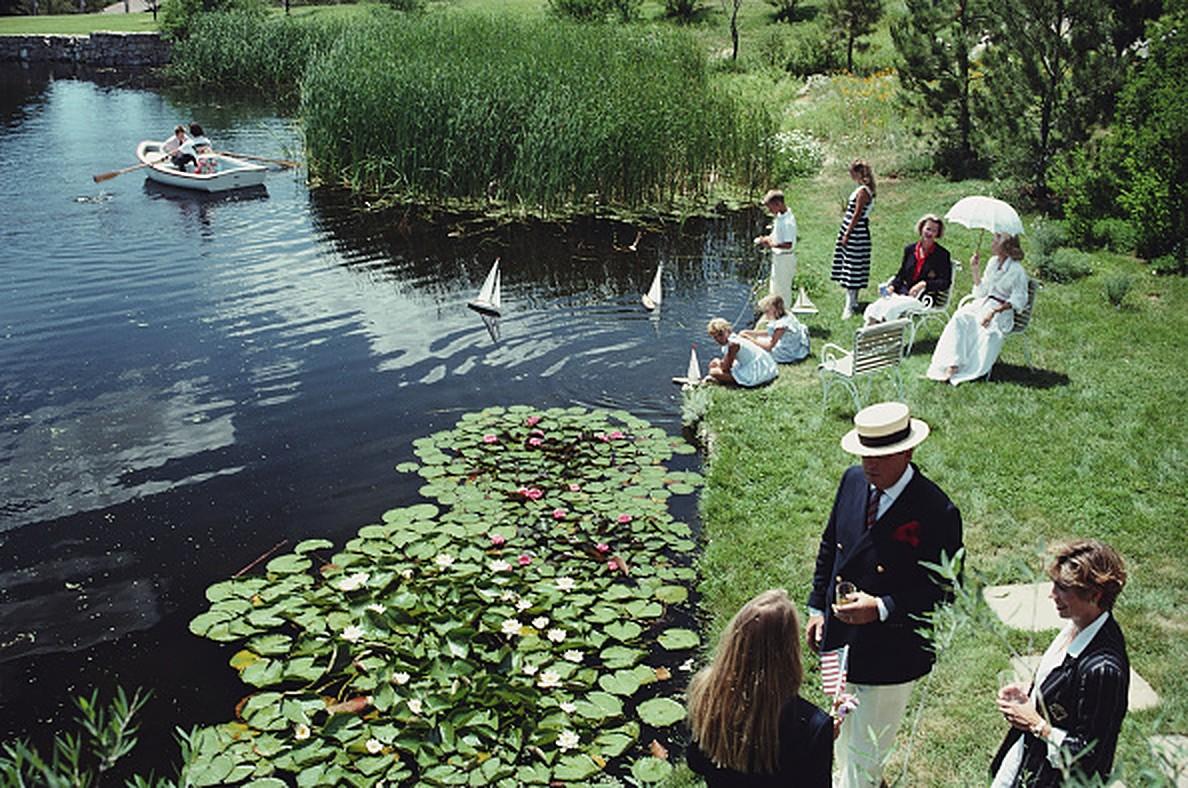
[985, 213]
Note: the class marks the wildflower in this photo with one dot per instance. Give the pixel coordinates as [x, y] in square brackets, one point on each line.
[524, 559]
[414, 705]
[567, 740]
[602, 547]
[624, 519]
[535, 441]
[400, 678]
[374, 746]
[568, 707]
[575, 487]
[549, 679]
[489, 438]
[532, 421]
[559, 514]
[523, 604]
[301, 732]
[352, 634]
[511, 626]
[573, 655]
[444, 560]
[556, 635]
[353, 582]
[499, 540]
[566, 583]
[377, 608]
[499, 565]
[529, 669]
[540, 622]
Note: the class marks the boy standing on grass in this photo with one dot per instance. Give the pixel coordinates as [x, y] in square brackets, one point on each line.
[887, 521]
[782, 243]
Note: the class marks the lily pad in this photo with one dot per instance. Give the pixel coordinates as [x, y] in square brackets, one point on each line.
[678, 639]
[661, 712]
[651, 770]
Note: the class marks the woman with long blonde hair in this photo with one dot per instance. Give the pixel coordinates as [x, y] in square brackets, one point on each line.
[750, 726]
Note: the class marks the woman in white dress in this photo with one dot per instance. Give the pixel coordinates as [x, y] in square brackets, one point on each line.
[743, 362]
[973, 337]
[785, 337]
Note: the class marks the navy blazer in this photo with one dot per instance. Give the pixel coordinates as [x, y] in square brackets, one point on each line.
[806, 754]
[885, 561]
[1086, 696]
[937, 272]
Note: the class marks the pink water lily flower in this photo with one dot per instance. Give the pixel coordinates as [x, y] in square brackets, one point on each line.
[489, 438]
[615, 436]
[559, 514]
[624, 519]
[575, 487]
[602, 436]
[499, 540]
[602, 548]
[531, 493]
[535, 441]
[524, 560]
[532, 421]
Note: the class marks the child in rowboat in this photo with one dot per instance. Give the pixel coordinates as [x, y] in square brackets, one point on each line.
[191, 149]
[179, 138]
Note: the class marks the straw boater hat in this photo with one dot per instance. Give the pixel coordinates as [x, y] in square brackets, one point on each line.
[882, 429]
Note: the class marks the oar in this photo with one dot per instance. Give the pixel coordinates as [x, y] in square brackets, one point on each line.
[107, 176]
[249, 157]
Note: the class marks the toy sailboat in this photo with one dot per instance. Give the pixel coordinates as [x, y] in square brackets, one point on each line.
[651, 299]
[488, 299]
[803, 306]
[693, 375]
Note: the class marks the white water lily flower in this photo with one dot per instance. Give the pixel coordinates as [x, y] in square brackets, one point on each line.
[353, 582]
[556, 635]
[376, 607]
[529, 670]
[548, 679]
[406, 574]
[511, 626]
[374, 746]
[568, 707]
[687, 665]
[352, 634]
[540, 622]
[400, 678]
[523, 604]
[568, 740]
[508, 596]
[566, 583]
[573, 655]
[444, 560]
[301, 732]
[499, 565]
[414, 705]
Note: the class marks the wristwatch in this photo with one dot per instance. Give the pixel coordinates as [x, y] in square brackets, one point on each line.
[1041, 729]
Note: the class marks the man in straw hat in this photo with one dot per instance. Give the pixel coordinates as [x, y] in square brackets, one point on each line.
[887, 519]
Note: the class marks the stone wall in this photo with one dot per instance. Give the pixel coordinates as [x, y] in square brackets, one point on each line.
[97, 49]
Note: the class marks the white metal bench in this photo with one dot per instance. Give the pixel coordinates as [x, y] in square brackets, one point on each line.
[876, 348]
[1022, 320]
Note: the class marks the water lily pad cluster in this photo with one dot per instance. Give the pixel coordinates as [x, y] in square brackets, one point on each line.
[515, 632]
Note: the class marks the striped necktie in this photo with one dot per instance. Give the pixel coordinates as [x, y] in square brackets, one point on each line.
[872, 506]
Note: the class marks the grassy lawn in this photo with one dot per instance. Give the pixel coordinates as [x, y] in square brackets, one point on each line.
[1089, 443]
[65, 24]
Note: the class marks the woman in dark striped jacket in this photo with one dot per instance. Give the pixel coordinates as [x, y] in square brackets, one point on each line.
[1066, 727]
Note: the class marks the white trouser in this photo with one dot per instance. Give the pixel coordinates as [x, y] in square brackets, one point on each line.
[868, 733]
[783, 271]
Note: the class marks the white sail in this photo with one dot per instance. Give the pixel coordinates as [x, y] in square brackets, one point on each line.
[803, 305]
[655, 292]
[489, 296]
[694, 373]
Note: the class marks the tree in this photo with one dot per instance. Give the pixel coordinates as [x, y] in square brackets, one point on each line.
[853, 19]
[731, 7]
[1051, 77]
[935, 39]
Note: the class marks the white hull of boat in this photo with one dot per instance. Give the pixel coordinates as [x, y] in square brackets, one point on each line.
[230, 173]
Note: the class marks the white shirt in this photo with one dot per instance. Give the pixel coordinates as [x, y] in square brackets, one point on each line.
[783, 231]
[1064, 645]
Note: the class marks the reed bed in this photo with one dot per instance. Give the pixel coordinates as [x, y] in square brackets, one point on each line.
[532, 112]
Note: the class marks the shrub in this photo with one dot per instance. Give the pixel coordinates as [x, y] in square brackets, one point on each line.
[596, 10]
[796, 154]
[1168, 265]
[1116, 287]
[683, 11]
[784, 10]
[813, 50]
[1065, 265]
[1117, 235]
[178, 17]
[406, 5]
[1046, 237]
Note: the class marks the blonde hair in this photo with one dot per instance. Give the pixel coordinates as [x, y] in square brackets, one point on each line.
[865, 174]
[773, 301]
[1088, 565]
[717, 326]
[931, 217]
[1010, 245]
[735, 701]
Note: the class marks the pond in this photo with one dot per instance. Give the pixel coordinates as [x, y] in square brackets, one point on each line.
[187, 381]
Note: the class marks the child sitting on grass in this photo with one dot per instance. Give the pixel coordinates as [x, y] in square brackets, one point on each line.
[743, 362]
[786, 338]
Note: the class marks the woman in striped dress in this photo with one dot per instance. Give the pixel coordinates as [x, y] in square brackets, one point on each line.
[851, 256]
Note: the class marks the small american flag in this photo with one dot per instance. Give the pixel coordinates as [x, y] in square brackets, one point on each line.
[833, 670]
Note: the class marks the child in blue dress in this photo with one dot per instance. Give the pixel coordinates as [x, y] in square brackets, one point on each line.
[743, 362]
[786, 338]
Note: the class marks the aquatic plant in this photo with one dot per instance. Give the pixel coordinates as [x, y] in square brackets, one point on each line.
[508, 634]
[535, 112]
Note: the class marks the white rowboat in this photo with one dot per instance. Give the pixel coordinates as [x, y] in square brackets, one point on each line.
[229, 173]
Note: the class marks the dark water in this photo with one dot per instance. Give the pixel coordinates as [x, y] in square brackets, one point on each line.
[186, 381]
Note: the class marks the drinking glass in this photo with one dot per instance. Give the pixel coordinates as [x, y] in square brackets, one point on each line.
[846, 591]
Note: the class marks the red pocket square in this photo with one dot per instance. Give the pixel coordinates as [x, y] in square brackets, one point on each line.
[909, 532]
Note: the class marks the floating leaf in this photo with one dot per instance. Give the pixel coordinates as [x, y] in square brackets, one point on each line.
[661, 712]
[651, 770]
[672, 595]
[309, 545]
[678, 639]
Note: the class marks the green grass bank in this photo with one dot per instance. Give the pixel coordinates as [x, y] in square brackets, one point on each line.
[1089, 443]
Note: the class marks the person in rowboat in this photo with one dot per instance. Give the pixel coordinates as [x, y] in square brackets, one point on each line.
[179, 138]
[191, 149]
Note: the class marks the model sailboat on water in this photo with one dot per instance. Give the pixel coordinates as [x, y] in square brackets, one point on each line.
[488, 300]
[693, 374]
[651, 299]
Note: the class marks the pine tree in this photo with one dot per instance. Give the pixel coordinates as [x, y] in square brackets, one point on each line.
[935, 39]
[853, 19]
